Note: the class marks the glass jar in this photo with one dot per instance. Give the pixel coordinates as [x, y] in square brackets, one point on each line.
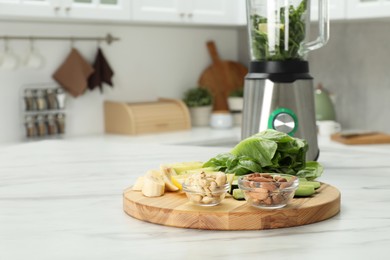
[52, 128]
[40, 99]
[41, 125]
[61, 96]
[29, 100]
[31, 130]
[51, 99]
[60, 119]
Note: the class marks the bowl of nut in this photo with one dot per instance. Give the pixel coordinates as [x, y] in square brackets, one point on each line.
[268, 190]
[206, 189]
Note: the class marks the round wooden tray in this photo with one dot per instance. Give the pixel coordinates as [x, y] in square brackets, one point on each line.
[173, 209]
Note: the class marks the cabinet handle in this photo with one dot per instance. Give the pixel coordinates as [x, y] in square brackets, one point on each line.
[56, 9]
[67, 9]
[190, 15]
[182, 15]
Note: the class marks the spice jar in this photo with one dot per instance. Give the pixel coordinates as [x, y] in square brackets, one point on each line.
[61, 96]
[31, 131]
[51, 99]
[40, 99]
[60, 119]
[29, 100]
[41, 125]
[52, 128]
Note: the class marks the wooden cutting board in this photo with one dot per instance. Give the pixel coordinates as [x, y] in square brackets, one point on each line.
[373, 138]
[173, 209]
[222, 77]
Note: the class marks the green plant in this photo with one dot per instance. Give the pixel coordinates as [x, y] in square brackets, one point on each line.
[237, 93]
[197, 97]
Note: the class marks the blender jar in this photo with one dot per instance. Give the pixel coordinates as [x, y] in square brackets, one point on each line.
[278, 29]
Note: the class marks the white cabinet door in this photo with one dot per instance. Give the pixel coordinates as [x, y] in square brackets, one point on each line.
[97, 9]
[368, 9]
[212, 11]
[337, 10]
[30, 8]
[158, 10]
[241, 12]
[187, 11]
[81, 9]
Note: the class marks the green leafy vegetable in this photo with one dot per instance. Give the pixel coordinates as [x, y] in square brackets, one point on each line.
[283, 50]
[268, 151]
[311, 171]
[228, 162]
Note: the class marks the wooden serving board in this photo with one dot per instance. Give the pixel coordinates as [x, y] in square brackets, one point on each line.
[173, 209]
[373, 138]
[221, 78]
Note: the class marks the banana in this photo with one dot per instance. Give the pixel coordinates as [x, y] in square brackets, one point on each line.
[154, 185]
[139, 183]
[166, 173]
[169, 169]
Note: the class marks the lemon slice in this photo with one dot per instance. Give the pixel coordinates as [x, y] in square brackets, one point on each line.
[178, 180]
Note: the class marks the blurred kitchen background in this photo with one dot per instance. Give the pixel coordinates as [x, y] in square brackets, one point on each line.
[159, 55]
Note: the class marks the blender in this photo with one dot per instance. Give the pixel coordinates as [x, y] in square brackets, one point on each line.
[278, 90]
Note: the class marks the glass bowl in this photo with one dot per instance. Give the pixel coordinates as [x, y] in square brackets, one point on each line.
[268, 190]
[201, 197]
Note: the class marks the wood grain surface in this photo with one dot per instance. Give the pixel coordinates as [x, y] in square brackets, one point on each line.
[163, 115]
[222, 77]
[374, 138]
[173, 209]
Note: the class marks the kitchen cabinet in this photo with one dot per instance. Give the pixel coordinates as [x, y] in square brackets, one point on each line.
[80, 9]
[355, 9]
[187, 11]
[337, 10]
[367, 9]
[98, 9]
[350, 9]
[241, 12]
[32, 8]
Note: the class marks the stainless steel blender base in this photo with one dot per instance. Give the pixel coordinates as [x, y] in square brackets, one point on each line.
[286, 107]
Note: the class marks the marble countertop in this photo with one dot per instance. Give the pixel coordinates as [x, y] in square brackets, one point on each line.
[62, 199]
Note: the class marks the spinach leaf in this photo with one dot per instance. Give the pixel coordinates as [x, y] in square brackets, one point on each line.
[267, 151]
[260, 149]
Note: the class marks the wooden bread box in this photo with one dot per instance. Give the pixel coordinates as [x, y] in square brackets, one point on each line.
[163, 115]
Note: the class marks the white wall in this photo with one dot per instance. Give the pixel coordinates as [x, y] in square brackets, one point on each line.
[149, 62]
[354, 65]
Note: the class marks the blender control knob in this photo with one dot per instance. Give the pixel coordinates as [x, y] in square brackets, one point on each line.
[283, 120]
[284, 123]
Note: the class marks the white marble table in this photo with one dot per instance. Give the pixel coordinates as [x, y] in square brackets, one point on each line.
[62, 199]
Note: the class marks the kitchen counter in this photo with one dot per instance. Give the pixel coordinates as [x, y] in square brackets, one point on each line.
[62, 199]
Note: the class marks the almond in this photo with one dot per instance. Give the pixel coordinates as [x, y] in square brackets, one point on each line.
[269, 186]
[259, 194]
